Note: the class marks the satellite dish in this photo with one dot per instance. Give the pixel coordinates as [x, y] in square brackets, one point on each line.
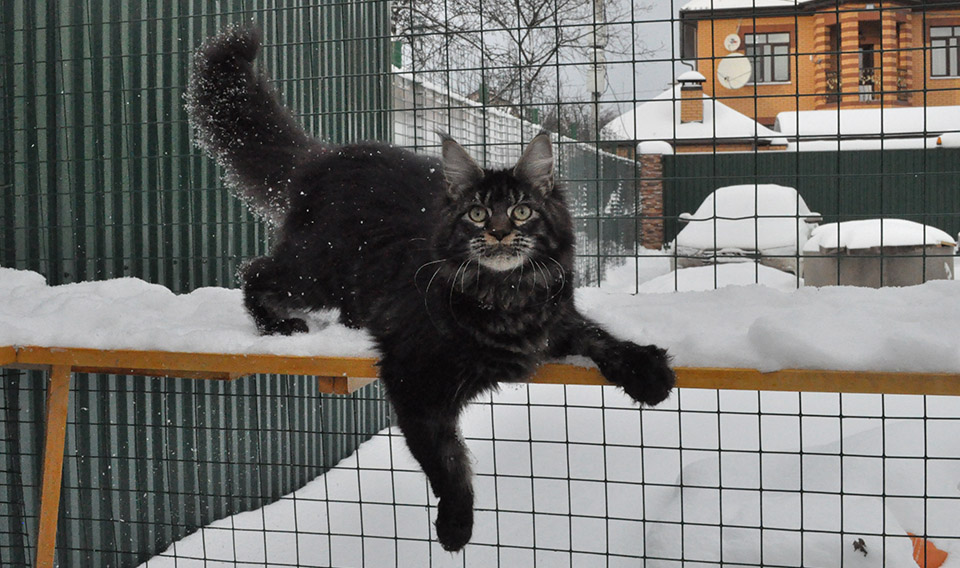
[731, 42]
[734, 71]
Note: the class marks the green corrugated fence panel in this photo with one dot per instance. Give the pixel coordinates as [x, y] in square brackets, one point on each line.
[919, 185]
[99, 179]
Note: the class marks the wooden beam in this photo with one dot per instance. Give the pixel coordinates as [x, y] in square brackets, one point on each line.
[792, 380]
[58, 399]
[223, 366]
[344, 375]
[8, 355]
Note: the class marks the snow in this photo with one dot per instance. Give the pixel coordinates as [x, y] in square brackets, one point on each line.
[870, 233]
[949, 140]
[747, 217]
[128, 313]
[701, 5]
[543, 480]
[691, 76]
[917, 121]
[580, 469]
[860, 144]
[704, 278]
[660, 147]
[738, 326]
[659, 119]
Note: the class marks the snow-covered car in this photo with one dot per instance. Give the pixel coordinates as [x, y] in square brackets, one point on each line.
[767, 223]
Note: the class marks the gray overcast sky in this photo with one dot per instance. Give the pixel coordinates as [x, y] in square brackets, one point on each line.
[653, 72]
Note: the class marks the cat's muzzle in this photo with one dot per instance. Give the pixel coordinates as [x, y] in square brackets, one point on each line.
[502, 257]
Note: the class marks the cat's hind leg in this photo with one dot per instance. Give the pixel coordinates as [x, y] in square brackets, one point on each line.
[271, 292]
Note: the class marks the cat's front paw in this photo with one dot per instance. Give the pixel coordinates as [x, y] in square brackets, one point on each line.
[284, 327]
[454, 524]
[642, 371]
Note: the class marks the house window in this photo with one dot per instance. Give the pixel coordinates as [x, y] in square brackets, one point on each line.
[770, 56]
[945, 51]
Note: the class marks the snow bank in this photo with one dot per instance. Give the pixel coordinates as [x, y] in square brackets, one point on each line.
[712, 277]
[547, 482]
[128, 313]
[871, 233]
[747, 217]
[738, 326]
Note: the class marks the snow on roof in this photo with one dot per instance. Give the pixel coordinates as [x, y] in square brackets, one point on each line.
[691, 76]
[747, 217]
[861, 144]
[917, 121]
[949, 140]
[659, 119]
[870, 233]
[703, 5]
[661, 147]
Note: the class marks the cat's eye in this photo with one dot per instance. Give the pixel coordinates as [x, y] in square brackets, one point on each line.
[521, 212]
[477, 214]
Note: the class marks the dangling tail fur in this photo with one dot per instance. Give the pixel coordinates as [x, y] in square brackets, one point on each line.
[237, 118]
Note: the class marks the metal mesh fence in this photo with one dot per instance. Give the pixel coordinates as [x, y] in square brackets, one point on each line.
[854, 106]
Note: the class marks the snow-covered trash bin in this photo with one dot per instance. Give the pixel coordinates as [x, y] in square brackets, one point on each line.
[767, 223]
[877, 252]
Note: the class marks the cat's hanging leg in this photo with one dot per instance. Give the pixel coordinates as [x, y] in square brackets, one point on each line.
[436, 443]
[642, 371]
[268, 296]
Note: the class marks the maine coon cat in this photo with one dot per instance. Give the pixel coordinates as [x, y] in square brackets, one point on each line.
[462, 275]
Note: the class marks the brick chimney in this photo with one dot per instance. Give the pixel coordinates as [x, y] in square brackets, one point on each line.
[691, 96]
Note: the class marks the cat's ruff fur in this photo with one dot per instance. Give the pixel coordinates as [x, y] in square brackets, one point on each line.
[462, 275]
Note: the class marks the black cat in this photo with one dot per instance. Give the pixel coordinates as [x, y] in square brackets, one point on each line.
[462, 275]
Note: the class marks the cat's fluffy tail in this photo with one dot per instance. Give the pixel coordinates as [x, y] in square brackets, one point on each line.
[237, 118]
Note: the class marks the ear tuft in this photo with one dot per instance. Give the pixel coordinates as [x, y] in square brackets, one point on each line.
[536, 164]
[459, 169]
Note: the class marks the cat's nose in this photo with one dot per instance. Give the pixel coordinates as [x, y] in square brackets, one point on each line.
[499, 233]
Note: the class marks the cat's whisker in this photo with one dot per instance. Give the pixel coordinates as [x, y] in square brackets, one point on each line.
[427, 291]
[424, 265]
[463, 269]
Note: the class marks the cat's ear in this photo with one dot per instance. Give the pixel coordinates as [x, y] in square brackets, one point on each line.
[536, 164]
[459, 169]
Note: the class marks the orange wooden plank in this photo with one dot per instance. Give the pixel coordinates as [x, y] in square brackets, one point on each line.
[8, 355]
[58, 399]
[785, 380]
[799, 380]
[195, 365]
[343, 375]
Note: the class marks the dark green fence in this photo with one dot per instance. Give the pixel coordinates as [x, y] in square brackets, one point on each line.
[919, 185]
[98, 179]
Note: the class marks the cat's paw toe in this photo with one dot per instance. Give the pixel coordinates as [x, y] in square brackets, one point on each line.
[454, 526]
[285, 327]
[644, 373]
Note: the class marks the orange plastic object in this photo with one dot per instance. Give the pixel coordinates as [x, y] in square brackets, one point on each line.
[926, 554]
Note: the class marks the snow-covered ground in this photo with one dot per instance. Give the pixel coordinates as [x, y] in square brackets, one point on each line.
[559, 469]
[599, 483]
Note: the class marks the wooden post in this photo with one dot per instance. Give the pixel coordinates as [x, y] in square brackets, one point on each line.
[58, 398]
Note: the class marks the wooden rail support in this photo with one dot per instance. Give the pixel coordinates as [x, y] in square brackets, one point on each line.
[58, 399]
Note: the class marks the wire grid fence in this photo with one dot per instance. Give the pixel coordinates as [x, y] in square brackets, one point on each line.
[565, 475]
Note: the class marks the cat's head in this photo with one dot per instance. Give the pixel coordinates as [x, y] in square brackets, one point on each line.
[505, 219]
